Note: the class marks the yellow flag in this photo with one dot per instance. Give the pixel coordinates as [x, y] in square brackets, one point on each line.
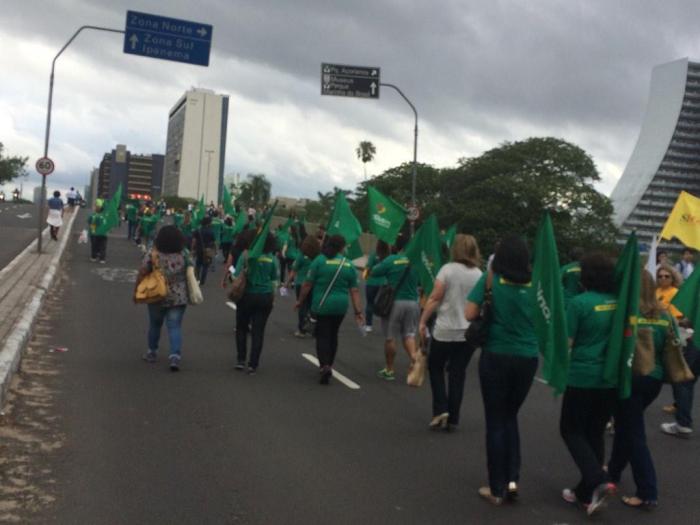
[684, 221]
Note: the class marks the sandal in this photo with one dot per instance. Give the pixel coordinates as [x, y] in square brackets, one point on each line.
[637, 503]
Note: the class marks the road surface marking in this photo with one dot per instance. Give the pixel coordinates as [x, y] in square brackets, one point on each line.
[540, 380]
[231, 305]
[340, 377]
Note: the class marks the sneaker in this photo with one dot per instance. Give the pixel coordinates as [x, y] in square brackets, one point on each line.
[102, 261]
[569, 496]
[512, 492]
[150, 356]
[300, 334]
[600, 494]
[387, 375]
[92, 259]
[240, 366]
[368, 329]
[485, 492]
[674, 429]
[251, 370]
[174, 363]
[669, 409]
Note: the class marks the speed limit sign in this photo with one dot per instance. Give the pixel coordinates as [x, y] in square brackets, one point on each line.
[45, 166]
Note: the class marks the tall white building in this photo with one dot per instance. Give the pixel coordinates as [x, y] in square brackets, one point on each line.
[196, 147]
[666, 158]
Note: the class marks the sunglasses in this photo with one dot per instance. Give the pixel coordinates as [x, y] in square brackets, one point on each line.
[664, 276]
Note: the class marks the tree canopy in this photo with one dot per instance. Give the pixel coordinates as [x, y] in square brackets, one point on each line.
[255, 190]
[11, 167]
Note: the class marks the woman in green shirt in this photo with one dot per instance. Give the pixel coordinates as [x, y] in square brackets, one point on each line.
[310, 249]
[332, 278]
[630, 445]
[589, 399]
[372, 284]
[508, 362]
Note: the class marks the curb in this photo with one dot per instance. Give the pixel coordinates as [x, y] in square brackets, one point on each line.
[11, 350]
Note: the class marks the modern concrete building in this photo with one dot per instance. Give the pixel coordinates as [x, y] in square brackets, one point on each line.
[196, 146]
[140, 175]
[666, 158]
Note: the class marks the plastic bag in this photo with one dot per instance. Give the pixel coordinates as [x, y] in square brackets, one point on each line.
[83, 238]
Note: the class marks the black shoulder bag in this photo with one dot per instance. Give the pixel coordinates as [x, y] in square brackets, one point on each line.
[477, 333]
[384, 302]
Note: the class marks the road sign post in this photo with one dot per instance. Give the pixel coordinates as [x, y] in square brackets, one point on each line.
[350, 81]
[167, 38]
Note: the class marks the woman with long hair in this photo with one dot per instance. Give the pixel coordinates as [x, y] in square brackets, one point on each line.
[630, 444]
[668, 281]
[333, 278]
[372, 284]
[310, 248]
[453, 284]
[172, 258]
[508, 362]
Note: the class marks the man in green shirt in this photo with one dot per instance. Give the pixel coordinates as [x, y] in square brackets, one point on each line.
[97, 227]
[131, 219]
[403, 321]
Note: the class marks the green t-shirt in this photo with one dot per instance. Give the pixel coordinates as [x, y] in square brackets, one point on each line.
[511, 330]
[292, 250]
[178, 219]
[658, 327]
[262, 273]
[393, 268]
[227, 233]
[589, 319]
[571, 281]
[148, 225]
[131, 212]
[320, 274]
[96, 223]
[301, 267]
[372, 261]
[216, 226]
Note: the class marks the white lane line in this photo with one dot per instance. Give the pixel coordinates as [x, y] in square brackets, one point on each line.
[337, 375]
[540, 380]
[231, 305]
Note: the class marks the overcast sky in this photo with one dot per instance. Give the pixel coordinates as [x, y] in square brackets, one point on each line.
[479, 73]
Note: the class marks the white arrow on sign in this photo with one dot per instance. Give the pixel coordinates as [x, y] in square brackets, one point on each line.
[134, 40]
[373, 87]
[374, 72]
[202, 32]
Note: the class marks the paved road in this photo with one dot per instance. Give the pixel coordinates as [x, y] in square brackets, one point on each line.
[18, 227]
[136, 443]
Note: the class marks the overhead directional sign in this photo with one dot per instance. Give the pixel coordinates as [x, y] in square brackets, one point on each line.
[349, 81]
[167, 38]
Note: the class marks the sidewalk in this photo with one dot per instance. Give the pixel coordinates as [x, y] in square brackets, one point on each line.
[23, 285]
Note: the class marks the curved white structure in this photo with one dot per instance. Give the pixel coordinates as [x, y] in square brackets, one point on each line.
[666, 158]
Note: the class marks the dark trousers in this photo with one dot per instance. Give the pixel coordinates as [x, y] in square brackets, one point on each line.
[630, 444]
[98, 247]
[457, 354]
[253, 310]
[505, 382]
[683, 393]
[283, 267]
[303, 309]
[225, 249]
[327, 327]
[370, 295]
[201, 269]
[131, 231]
[584, 414]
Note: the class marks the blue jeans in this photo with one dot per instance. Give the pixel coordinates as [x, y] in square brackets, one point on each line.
[505, 382]
[630, 444]
[201, 269]
[173, 320]
[370, 295]
[683, 393]
[131, 230]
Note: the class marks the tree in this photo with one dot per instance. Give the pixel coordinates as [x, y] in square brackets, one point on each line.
[11, 167]
[255, 190]
[505, 190]
[365, 151]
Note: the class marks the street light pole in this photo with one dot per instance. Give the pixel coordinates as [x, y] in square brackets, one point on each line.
[415, 150]
[42, 197]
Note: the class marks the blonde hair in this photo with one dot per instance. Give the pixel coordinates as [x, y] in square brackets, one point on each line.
[649, 305]
[676, 277]
[465, 250]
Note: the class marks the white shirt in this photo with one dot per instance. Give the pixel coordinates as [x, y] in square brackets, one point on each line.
[459, 281]
[685, 268]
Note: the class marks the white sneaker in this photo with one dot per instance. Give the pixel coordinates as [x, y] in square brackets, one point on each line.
[368, 329]
[674, 429]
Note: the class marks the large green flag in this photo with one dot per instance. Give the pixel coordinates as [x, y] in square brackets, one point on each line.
[386, 216]
[228, 202]
[449, 236]
[342, 221]
[111, 210]
[241, 221]
[424, 252]
[256, 249]
[687, 300]
[550, 316]
[617, 369]
[354, 251]
[198, 213]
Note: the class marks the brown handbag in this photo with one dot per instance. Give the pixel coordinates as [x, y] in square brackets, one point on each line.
[153, 288]
[644, 360]
[677, 369]
[239, 283]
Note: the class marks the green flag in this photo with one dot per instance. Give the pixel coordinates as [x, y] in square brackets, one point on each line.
[228, 203]
[198, 213]
[111, 210]
[342, 221]
[256, 249]
[687, 300]
[386, 216]
[617, 368]
[449, 236]
[354, 250]
[241, 221]
[424, 252]
[549, 315]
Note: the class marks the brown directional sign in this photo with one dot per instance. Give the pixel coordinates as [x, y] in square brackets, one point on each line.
[349, 81]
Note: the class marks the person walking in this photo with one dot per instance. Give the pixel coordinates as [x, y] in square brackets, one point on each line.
[204, 248]
[54, 217]
[227, 235]
[686, 266]
[508, 362]
[372, 284]
[310, 249]
[169, 253]
[97, 226]
[131, 219]
[630, 442]
[448, 347]
[668, 281]
[332, 278]
[402, 323]
[254, 308]
[589, 400]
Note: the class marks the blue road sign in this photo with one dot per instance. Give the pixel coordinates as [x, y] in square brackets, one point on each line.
[167, 38]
